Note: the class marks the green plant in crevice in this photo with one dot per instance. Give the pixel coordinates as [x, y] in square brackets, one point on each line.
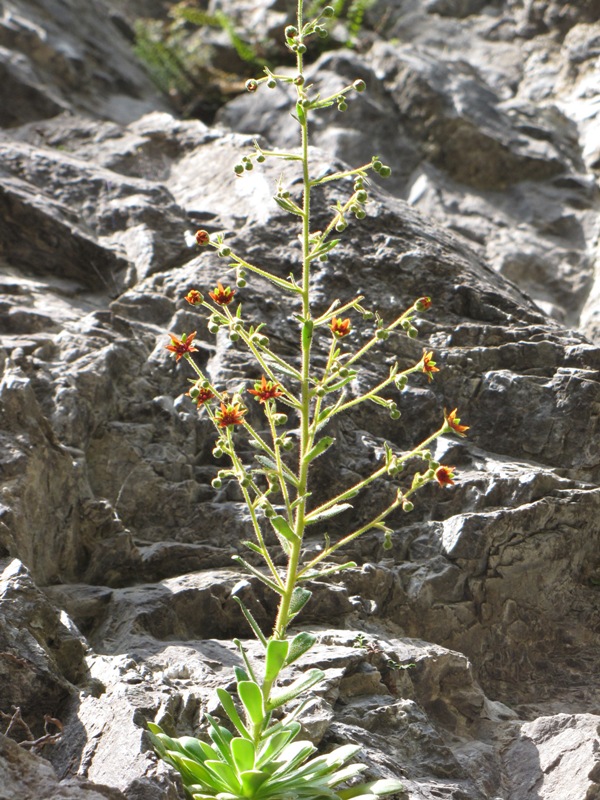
[257, 754]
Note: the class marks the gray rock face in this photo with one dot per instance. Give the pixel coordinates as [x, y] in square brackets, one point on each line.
[464, 659]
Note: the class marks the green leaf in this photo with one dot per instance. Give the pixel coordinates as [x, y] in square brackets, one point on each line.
[325, 248]
[315, 574]
[251, 781]
[299, 645]
[352, 373]
[346, 773]
[192, 771]
[243, 753]
[300, 598]
[301, 684]
[320, 447]
[221, 738]
[373, 789]
[251, 621]
[250, 672]
[195, 748]
[225, 774]
[332, 511]
[292, 755]
[283, 528]
[271, 746]
[276, 655]
[253, 701]
[231, 711]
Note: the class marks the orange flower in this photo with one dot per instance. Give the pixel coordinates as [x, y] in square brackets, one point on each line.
[340, 327]
[200, 396]
[423, 303]
[194, 297]
[202, 238]
[222, 295]
[444, 476]
[182, 346]
[453, 423]
[429, 365]
[266, 390]
[232, 414]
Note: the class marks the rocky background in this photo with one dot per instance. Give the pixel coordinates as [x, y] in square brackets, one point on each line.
[465, 659]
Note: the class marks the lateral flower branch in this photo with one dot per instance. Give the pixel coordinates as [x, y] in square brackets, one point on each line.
[257, 755]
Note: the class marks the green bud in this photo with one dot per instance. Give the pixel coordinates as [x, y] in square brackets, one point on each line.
[343, 372]
[342, 105]
[269, 511]
[385, 172]
[279, 419]
[327, 12]
[361, 196]
[217, 451]
[341, 226]
[290, 31]
[301, 49]
[224, 252]
[238, 169]
[272, 83]
[412, 333]
[387, 541]
[240, 283]
[368, 316]
[251, 85]
[394, 413]
[359, 85]
[248, 165]
[360, 213]
[234, 336]
[321, 391]
[216, 483]
[305, 103]
[263, 341]
[322, 32]
[401, 382]
[377, 164]
[324, 257]
[358, 184]
[287, 444]
[244, 480]
[381, 334]
[407, 506]
[213, 328]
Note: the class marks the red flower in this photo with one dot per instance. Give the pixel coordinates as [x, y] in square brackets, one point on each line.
[444, 476]
[182, 346]
[202, 238]
[429, 365]
[222, 295]
[232, 414]
[340, 327]
[423, 303]
[453, 423]
[194, 297]
[200, 396]
[266, 390]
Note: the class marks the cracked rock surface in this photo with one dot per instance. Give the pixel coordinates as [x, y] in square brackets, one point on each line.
[465, 659]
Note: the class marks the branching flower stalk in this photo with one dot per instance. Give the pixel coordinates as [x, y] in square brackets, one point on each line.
[257, 756]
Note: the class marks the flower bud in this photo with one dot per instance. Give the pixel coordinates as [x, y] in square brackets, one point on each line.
[361, 196]
[343, 372]
[260, 158]
[213, 327]
[216, 483]
[234, 336]
[271, 83]
[359, 85]
[238, 169]
[327, 12]
[248, 166]
[240, 283]
[202, 238]
[342, 105]
[382, 334]
[407, 506]
[387, 541]
[394, 413]
[251, 85]
[360, 213]
[279, 419]
[299, 79]
[385, 172]
[368, 316]
[412, 333]
[423, 304]
[301, 48]
[291, 31]
[341, 226]
[376, 164]
[217, 451]
[321, 391]
[287, 444]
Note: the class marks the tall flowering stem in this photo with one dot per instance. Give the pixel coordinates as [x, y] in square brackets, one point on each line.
[276, 485]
